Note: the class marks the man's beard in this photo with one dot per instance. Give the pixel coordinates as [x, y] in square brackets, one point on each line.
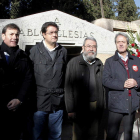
[90, 58]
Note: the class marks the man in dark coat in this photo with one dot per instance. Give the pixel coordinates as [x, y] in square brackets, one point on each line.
[15, 82]
[49, 60]
[121, 77]
[84, 96]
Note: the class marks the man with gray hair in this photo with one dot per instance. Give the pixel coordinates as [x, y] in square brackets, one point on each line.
[121, 77]
[84, 92]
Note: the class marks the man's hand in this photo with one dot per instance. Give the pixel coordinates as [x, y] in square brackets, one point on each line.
[72, 115]
[13, 104]
[130, 83]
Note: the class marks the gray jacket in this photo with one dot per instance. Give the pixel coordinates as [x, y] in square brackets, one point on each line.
[49, 76]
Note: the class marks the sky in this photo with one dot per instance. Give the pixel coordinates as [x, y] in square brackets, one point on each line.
[137, 2]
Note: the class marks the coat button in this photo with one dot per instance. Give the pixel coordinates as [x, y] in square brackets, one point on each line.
[126, 99]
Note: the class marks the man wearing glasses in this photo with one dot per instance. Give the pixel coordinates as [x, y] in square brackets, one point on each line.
[84, 92]
[49, 60]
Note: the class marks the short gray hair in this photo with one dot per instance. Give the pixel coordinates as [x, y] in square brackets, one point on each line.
[89, 38]
[122, 34]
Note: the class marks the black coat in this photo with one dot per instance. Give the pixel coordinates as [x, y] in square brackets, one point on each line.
[15, 78]
[77, 85]
[114, 77]
[49, 76]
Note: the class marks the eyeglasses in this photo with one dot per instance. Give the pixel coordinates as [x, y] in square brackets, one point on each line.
[51, 33]
[88, 46]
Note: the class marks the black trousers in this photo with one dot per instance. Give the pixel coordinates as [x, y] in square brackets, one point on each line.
[86, 126]
[11, 123]
[114, 121]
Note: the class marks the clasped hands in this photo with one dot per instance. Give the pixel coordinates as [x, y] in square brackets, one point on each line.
[130, 83]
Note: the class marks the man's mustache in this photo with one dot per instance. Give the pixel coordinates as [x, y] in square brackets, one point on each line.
[90, 52]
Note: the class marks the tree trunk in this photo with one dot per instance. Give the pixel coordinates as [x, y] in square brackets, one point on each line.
[102, 10]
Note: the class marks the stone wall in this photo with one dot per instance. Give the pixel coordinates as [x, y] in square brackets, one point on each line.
[116, 25]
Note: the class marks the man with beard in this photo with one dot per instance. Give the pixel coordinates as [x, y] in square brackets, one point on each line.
[84, 95]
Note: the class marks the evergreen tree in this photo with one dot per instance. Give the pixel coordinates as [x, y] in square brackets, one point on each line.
[127, 10]
[89, 10]
[115, 6]
[108, 9]
[4, 9]
[25, 7]
[82, 9]
[15, 9]
[86, 10]
[69, 6]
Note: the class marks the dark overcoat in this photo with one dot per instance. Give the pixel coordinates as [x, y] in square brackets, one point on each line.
[77, 97]
[49, 77]
[15, 78]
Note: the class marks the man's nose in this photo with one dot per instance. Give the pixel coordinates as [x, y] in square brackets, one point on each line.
[55, 33]
[15, 37]
[121, 43]
[91, 48]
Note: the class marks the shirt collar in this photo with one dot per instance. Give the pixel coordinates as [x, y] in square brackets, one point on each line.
[124, 59]
[5, 53]
[90, 63]
[57, 45]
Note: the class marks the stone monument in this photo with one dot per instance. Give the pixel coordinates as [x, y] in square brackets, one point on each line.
[72, 32]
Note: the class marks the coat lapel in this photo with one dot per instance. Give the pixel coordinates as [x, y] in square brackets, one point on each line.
[117, 58]
[44, 52]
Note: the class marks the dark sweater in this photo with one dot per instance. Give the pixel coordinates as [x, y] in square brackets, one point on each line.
[126, 67]
[92, 83]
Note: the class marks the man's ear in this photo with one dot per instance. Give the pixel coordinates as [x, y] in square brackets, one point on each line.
[82, 49]
[43, 34]
[3, 36]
